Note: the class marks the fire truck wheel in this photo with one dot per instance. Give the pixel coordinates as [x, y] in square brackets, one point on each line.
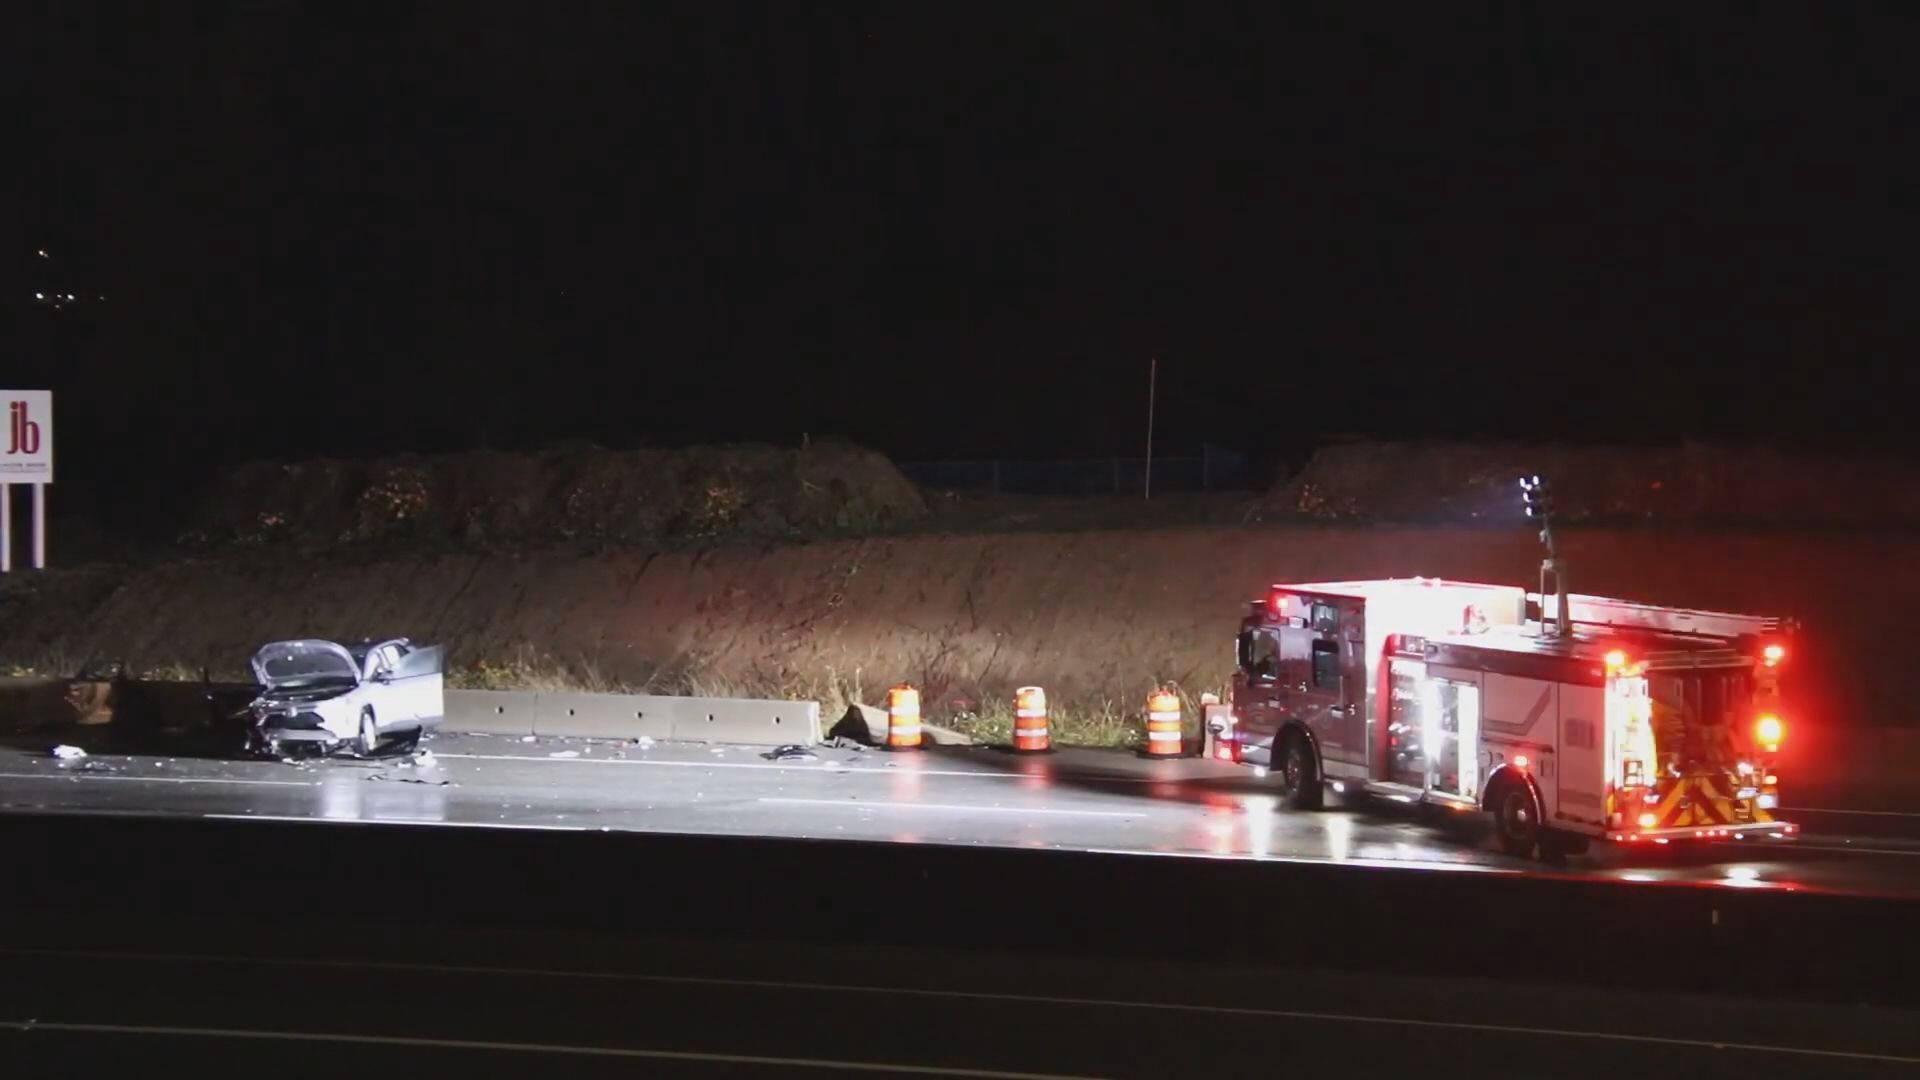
[1516, 819]
[1300, 775]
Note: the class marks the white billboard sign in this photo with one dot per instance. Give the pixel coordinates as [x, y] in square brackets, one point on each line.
[26, 457]
[26, 444]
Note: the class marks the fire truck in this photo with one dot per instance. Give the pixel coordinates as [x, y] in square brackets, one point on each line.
[1566, 717]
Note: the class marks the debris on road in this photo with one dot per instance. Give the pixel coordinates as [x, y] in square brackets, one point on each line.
[790, 752]
[565, 754]
[529, 738]
[644, 742]
[68, 753]
[425, 759]
[842, 742]
[409, 780]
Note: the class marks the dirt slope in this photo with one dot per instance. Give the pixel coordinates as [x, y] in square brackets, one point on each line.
[1092, 616]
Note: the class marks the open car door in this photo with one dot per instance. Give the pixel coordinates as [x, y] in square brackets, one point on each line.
[418, 681]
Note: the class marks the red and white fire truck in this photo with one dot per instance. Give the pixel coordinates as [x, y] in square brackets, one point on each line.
[1567, 717]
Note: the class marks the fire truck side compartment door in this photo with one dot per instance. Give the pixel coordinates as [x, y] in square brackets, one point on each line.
[1520, 716]
[1582, 754]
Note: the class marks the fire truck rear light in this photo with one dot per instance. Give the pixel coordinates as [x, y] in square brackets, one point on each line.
[1771, 779]
[1770, 731]
[1520, 760]
[1616, 659]
[1773, 654]
[1648, 821]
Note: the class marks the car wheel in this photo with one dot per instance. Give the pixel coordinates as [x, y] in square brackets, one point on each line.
[369, 738]
[1516, 819]
[1299, 774]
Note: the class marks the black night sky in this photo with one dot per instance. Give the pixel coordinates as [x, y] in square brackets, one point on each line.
[955, 229]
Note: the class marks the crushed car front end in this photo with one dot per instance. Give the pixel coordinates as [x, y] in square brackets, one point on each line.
[308, 697]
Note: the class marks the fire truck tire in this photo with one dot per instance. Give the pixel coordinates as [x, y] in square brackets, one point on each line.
[1300, 782]
[1516, 819]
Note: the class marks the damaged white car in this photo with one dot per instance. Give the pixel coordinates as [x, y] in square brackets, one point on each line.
[322, 696]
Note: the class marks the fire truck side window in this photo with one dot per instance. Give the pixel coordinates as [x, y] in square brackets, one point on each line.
[1260, 654]
[1326, 618]
[1326, 665]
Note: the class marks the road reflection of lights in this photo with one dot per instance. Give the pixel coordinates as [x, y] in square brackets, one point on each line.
[340, 795]
[1339, 837]
[1260, 811]
[1638, 877]
[1260, 772]
[1743, 877]
[904, 785]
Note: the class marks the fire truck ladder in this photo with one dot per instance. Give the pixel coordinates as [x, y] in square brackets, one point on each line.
[1601, 611]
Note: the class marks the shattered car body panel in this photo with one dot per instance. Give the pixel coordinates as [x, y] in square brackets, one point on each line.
[326, 696]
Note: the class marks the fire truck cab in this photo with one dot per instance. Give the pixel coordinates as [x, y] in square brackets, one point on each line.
[1636, 723]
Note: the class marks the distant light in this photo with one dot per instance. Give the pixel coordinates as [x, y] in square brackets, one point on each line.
[43, 253]
[39, 296]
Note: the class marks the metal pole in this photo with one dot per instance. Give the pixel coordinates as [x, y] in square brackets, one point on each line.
[39, 526]
[6, 528]
[1153, 376]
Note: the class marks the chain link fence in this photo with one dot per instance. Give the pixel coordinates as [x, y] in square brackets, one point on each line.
[1212, 470]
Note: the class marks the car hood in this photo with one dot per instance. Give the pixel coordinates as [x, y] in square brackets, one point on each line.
[304, 663]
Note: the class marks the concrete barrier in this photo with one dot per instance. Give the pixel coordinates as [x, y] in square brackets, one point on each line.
[750, 721]
[490, 712]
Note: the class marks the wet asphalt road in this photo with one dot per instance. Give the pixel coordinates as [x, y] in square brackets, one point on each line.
[1085, 801]
[382, 1001]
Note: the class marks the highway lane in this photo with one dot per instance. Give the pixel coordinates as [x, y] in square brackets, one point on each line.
[78, 998]
[1084, 801]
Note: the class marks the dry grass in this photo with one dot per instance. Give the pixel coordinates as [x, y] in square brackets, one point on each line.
[1102, 724]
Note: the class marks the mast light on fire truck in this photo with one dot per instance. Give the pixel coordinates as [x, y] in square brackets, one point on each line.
[1770, 731]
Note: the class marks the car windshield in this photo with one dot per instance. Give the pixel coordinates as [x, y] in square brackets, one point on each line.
[303, 662]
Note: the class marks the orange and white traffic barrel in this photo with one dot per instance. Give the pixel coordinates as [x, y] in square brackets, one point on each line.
[903, 718]
[1030, 735]
[1164, 735]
